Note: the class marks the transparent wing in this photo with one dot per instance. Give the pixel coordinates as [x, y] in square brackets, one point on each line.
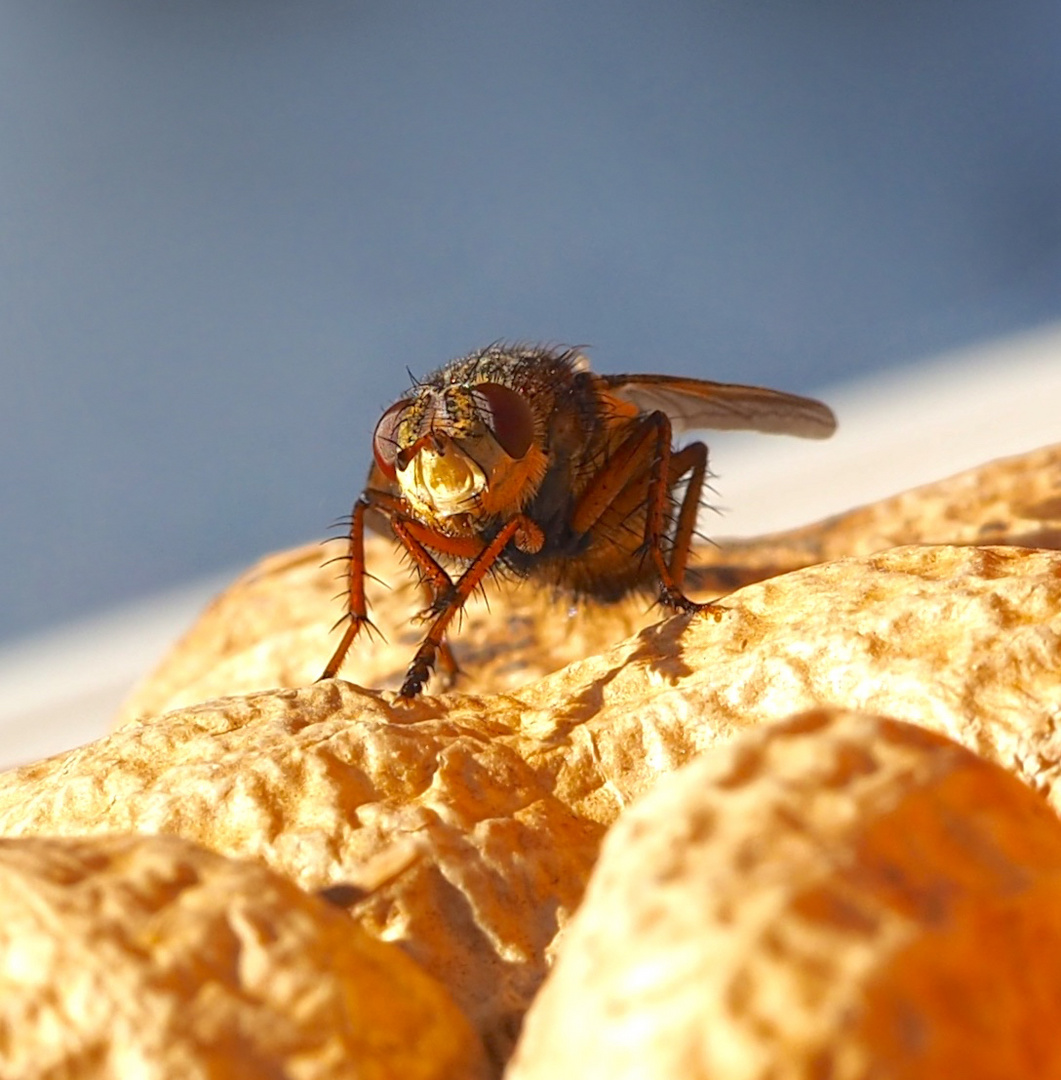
[695, 404]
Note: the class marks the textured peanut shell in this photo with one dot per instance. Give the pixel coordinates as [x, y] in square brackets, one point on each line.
[470, 824]
[837, 895]
[144, 957]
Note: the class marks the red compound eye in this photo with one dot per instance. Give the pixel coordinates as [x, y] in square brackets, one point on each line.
[508, 416]
[385, 439]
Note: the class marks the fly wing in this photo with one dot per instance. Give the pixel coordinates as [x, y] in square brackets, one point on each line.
[695, 404]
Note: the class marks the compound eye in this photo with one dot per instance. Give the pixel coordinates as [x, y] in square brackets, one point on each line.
[385, 439]
[508, 416]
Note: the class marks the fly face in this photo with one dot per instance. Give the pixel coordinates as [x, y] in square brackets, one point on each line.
[440, 480]
[522, 457]
[457, 453]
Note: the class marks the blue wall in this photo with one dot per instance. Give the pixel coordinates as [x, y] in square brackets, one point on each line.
[227, 228]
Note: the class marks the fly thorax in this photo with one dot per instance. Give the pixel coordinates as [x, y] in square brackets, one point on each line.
[446, 483]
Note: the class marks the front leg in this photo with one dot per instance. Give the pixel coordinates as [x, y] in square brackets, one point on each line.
[528, 537]
[356, 606]
[436, 583]
[407, 531]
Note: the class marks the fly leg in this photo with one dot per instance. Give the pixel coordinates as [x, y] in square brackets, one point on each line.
[527, 536]
[356, 605]
[691, 459]
[447, 662]
[435, 578]
[437, 584]
[621, 488]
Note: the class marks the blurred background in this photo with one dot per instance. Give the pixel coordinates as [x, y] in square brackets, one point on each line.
[230, 227]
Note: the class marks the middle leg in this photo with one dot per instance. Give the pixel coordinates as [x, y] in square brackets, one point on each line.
[639, 478]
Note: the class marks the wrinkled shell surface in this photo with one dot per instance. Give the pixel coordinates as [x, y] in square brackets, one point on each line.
[486, 813]
[815, 899]
[150, 957]
[465, 827]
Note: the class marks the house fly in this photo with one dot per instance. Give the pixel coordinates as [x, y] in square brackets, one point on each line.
[520, 458]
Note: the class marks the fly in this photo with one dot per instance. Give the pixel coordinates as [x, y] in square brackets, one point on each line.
[522, 458]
